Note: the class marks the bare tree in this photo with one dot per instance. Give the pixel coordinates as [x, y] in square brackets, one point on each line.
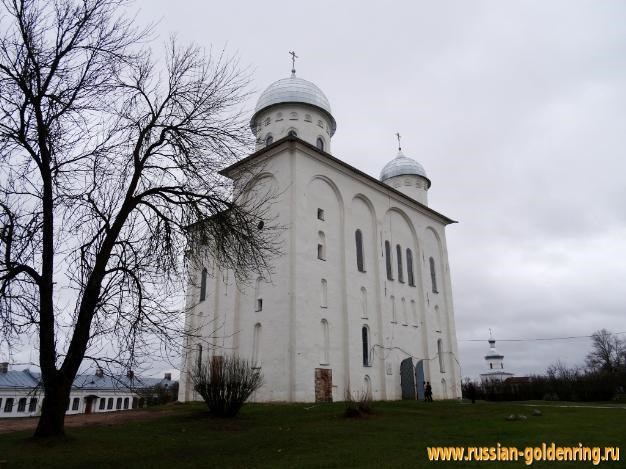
[106, 160]
[608, 352]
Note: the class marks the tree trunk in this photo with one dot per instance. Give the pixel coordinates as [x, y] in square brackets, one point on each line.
[51, 422]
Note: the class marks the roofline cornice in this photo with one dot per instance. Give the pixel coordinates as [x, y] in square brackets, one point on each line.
[292, 141]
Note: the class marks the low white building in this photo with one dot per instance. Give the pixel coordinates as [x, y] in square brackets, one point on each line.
[21, 393]
[361, 299]
[495, 365]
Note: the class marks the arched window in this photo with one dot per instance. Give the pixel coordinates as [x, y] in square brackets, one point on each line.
[269, 140]
[126, 402]
[405, 319]
[325, 355]
[363, 303]
[365, 337]
[199, 355]
[394, 314]
[324, 294]
[256, 345]
[388, 260]
[433, 275]
[203, 284]
[491, 366]
[292, 133]
[358, 238]
[320, 143]
[409, 268]
[442, 367]
[258, 298]
[321, 246]
[399, 259]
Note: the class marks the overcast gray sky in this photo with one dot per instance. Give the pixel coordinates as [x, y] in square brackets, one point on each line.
[517, 110]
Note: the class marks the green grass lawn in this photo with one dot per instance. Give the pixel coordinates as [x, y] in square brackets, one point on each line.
[303, 435]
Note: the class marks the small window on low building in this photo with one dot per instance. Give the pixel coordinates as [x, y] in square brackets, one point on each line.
[32, 407]
[75, 403]
[118, 404]
[135, 401]
[103, 403]
[21, 405]
[110, 404]
[126, 402]
[320, 214]
[8, 405]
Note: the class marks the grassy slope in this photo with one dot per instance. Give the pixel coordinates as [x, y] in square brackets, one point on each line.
[291, 436]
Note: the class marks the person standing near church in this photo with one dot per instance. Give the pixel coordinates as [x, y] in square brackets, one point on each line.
[428, 392]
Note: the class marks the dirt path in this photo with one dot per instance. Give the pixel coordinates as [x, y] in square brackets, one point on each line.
[82, 420]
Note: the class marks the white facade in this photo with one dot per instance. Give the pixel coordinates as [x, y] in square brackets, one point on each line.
[325, 306]
[21, 394]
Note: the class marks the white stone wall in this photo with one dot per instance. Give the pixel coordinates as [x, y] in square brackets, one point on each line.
[291, 345]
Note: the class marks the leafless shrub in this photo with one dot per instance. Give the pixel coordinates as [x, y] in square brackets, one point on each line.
[225, 383]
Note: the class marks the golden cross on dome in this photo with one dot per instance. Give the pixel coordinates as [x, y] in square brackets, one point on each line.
[399, 137]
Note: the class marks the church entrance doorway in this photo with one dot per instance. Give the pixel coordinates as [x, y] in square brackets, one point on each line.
[419, 379]
[323, 385]
[407, 379]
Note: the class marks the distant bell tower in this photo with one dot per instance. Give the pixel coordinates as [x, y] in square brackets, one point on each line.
[495, 365]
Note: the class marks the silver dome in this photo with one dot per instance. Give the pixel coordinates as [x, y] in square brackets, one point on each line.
[294, 90]
[401, 166]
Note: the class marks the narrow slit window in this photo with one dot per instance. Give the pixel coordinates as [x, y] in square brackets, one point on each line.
[433, 275]
[366, 349]
[442, 367]
[199, 356]
[324, 294]
[320, 214]
[394, 314]
[409, 268]
[203, 280]
[256, 345]
[358, 238]
[388, 260]
[399, 259]
[325, 355]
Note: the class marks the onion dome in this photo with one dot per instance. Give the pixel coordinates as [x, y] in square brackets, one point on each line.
[401, 166]
[294, 90]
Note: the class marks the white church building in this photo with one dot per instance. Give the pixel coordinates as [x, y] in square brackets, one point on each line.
[495, 365]
[360, 299]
